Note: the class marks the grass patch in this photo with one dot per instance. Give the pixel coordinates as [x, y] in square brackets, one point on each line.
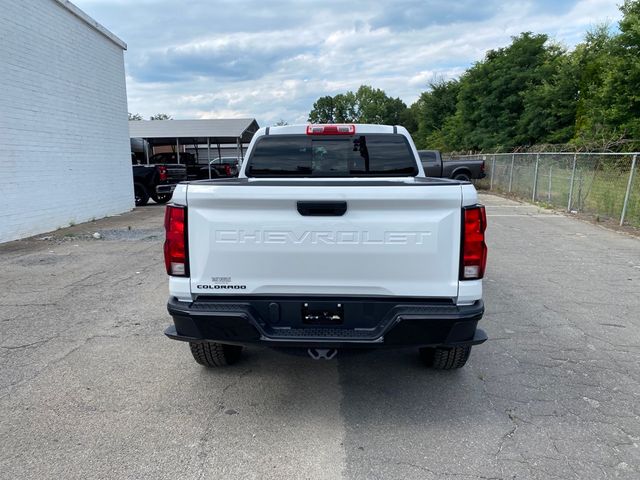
[599, 184]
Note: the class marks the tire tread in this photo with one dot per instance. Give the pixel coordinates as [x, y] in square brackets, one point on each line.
[211, 354]
[442, 358]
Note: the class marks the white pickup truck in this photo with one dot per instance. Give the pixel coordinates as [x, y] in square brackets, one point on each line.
[331, 237]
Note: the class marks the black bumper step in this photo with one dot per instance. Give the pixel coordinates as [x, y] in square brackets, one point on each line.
[367, 321]
[324, 333]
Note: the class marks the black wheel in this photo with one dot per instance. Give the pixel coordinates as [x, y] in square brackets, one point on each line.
[463, 177]
[162, 198]
[442, 358]
[140, 194]
[212, 354]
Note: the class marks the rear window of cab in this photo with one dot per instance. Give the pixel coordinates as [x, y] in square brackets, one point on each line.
[380, 155]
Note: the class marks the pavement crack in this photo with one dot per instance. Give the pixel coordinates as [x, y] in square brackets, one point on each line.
[27, 304]
[12, 386]
[27, 345]
[87, 277]
[438, 474]
[510, 433]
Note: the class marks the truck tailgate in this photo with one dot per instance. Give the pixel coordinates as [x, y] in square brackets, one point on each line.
[400, 239]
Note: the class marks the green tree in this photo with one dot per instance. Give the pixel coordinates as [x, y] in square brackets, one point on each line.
[592, 60]
[366, 105]
[610, 108]
[323, 110]
[549, 113]
[432, 110]
[409, 118]
[345, 108]
[492, 93]
[375, 106]
[339, 109]
[160, 116]
[135, 116]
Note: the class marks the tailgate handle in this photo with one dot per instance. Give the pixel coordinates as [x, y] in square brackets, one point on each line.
[322, 209]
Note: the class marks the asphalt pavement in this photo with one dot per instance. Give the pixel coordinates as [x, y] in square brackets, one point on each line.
[91, 389]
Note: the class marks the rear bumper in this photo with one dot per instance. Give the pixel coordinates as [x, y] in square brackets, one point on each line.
[367, 322]
[165, 188]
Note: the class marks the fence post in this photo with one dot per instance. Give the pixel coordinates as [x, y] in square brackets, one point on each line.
[513, 158]
[573, 175]
[535, 178]
[493, 168]
[549, 187]
[628, 193]
[484, 160]
[580, 185]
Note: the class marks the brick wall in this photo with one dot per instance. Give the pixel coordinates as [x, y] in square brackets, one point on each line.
[64, 138]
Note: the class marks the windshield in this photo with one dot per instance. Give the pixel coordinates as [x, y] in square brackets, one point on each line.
[335, 156]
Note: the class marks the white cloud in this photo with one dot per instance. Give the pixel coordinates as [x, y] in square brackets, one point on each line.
[272, 61]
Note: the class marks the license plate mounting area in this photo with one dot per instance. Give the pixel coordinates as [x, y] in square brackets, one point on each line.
[322, 313]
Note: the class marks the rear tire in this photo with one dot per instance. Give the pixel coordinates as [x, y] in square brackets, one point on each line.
[162, 198]
[441, 358]
[140, 194]
[212, 354]
[463, 177]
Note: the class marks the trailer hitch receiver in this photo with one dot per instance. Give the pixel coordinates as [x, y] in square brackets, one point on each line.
[322, 353]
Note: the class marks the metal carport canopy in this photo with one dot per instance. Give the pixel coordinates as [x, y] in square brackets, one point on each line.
[219, 130]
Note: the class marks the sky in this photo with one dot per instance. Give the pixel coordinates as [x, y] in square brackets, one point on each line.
[272, 59]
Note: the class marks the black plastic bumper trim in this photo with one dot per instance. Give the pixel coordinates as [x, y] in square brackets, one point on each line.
[165, 188]
[238, 321]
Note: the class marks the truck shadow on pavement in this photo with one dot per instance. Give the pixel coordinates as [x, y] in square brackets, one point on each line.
[388, 386]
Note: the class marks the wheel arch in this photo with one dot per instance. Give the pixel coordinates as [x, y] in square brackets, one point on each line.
[461, 170]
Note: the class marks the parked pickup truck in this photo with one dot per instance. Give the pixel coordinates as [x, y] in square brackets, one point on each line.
[156, 182]
[464, 170]
[331, 237]
[221, 167]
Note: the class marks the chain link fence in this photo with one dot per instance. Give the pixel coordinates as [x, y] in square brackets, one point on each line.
[606, 185]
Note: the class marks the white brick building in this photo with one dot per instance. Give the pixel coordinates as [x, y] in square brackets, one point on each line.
[64, 135]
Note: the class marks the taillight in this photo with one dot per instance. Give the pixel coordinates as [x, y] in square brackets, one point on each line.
[175, 243]
[331, 129]
[162, 170]
[482, 167]
[474, 251]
